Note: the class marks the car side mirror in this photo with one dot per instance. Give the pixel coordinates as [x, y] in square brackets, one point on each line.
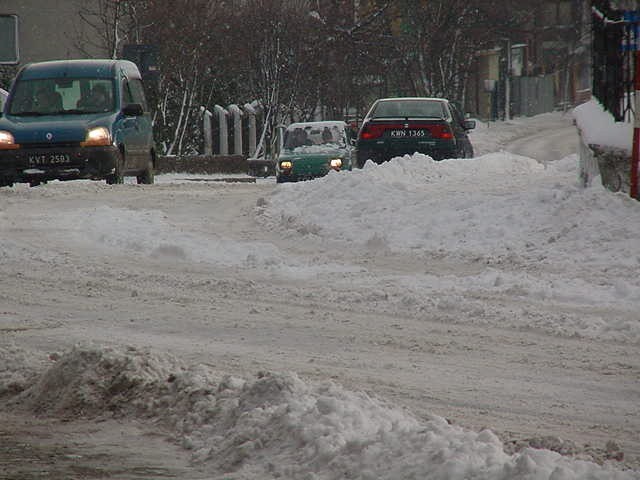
[133, 110]
[469, 124]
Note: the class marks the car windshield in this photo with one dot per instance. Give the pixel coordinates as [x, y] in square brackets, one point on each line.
[301, 135]
[409, 108]
[62, 96]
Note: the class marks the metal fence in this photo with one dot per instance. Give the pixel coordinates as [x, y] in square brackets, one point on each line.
[532, 95]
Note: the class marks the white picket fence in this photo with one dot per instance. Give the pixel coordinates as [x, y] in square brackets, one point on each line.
[239, 117]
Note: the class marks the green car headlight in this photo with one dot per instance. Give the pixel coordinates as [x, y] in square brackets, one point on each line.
[336, 163]
[286, 165]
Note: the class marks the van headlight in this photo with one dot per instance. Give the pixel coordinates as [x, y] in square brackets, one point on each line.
[7, 142]
[97, 137]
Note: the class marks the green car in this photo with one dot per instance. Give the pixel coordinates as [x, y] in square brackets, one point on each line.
[312, 149]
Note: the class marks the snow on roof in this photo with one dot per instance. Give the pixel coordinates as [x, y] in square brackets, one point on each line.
[320, 124]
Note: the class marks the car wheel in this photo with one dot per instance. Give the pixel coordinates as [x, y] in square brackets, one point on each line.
[147, 177]
[470, 153]
[118, 176]
[34, 183]
[280, 179]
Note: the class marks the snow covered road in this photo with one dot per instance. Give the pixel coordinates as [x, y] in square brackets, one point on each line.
[493, 293]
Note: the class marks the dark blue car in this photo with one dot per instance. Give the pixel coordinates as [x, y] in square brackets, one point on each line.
[76, 119]
[404, 125]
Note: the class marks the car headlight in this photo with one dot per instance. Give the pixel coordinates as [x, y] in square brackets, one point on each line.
[97, 137]
[286, 165]
[7, 142]
[336, 163]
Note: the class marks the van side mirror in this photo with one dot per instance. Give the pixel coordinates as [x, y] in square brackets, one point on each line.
[133, 110]
[469, 124]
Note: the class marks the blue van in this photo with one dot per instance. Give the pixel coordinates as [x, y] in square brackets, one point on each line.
[75, 119]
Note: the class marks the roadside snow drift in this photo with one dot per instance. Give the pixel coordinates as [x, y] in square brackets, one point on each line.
[494, 205]
[278, 426]
[548, 237]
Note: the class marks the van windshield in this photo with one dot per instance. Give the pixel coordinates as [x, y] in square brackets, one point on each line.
[62, 96]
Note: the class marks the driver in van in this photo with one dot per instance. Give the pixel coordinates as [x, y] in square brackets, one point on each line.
[97, 100]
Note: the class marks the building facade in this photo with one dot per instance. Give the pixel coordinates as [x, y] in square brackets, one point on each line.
[50, 29]
[543, 67]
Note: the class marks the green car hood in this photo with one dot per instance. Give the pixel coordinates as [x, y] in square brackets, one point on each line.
[314, 153]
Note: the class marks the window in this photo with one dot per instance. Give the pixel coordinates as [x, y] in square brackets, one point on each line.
[127, 95]
[8, 39]
[137, 92]
[549, 14]
[410, 108]
[564, 13]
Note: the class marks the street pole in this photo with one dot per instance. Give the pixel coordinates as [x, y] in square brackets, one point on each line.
[635, 156]
[507, 84]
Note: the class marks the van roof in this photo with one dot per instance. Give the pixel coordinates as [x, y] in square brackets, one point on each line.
[78, 69]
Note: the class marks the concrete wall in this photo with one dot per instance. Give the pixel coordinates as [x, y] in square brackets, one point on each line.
[49, 29]
[202, 164]
[611, 165]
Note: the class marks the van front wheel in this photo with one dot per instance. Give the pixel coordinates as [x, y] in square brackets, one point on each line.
[147, 177]
[117, 177]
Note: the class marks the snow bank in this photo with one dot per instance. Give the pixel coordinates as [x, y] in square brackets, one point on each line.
[495, 205]
[598, 127]
[279, 426]
[548, 238]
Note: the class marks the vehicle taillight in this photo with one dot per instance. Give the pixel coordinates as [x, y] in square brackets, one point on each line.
[441, 131]
[369, 132]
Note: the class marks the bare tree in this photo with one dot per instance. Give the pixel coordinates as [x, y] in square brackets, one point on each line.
[276, 48]
[105, 26]
[298, 58]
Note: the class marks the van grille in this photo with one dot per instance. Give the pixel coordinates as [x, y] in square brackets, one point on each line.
[50, 145]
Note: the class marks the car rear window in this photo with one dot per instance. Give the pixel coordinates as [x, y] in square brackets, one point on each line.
[409, 108]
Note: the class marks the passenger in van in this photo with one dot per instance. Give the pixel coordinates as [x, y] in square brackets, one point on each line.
[47, 100]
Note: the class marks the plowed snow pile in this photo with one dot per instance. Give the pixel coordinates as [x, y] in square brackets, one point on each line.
[278, 426]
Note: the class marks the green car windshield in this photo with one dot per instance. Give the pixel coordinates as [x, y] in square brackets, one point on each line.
[314, 135]
[62, 96]
[409, 108]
